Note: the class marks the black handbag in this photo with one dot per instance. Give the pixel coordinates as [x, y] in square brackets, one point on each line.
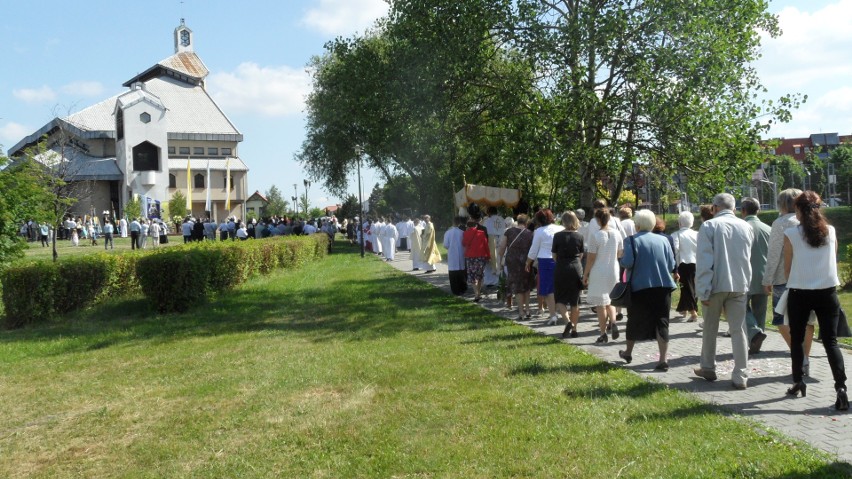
[621, 292]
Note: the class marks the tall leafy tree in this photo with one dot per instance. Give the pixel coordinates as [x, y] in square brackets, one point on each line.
[663, 83]
[23, 197]
[277, 205]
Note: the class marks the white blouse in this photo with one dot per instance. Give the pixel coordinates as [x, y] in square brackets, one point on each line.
[812, 268]
[543, 241]
[686, 246]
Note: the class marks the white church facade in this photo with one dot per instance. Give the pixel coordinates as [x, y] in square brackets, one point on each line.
[165, 134]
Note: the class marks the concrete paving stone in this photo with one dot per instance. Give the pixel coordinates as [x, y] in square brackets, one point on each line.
[811, 419]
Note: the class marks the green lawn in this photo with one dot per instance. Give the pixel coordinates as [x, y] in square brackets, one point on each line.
[64, 248]
[348, 368]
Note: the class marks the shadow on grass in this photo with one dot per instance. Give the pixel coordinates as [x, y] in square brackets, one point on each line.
[318, 305]
[535, 368]
[636, 390]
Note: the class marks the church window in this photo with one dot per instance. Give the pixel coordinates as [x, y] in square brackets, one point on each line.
[225, 181]
[172, 181]
[119, 125]
[199, 181]
[145, 117]
[226, 152]
[213, 151]
[184, 150]
[146, 157]
[198, 150]
[172, 150]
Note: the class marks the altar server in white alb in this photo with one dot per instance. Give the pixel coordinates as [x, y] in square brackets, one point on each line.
[390, 235]
[402, 235]
[455, 256]
[416, 245]
[496, 227]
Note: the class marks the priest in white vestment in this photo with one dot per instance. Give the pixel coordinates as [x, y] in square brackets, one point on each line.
[416, 246]
[431, 255]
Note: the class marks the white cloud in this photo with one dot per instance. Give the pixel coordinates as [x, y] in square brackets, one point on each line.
[35, 95]
[344, 17]
[11, 133]
[811, 57]
[84, 88]
[270, 91]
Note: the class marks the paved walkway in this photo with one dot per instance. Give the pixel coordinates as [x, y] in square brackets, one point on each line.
[811, 419]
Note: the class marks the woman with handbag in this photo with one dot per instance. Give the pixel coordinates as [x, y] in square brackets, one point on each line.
[649, 261]
[810, 262]
[513, 248]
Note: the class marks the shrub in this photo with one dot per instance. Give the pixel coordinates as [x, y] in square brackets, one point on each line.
[28, 293]
[174, 279]
[199, 269]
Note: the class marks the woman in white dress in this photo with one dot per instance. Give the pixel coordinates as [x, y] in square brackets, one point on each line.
[601, 272]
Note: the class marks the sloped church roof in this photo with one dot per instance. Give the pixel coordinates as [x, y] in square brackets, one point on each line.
[178, 82]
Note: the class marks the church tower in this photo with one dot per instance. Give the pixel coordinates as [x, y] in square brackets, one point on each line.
[183, 38]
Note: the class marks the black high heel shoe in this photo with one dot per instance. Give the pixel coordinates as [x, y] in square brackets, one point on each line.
[842, 403]
[567, 332]
[800, 386]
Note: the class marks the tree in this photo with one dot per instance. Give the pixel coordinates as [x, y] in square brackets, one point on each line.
[665, 84]
[23, 196]
[554, 97]
[841, 157]
[177, 207]
[277, 205]
[316, 212]
[304, 204]
[133, 208]
[425, 107]
[350, 208]
[56, 161]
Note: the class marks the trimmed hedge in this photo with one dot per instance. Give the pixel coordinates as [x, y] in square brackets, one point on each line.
[174, 278]
[194, 271]
[38, 291]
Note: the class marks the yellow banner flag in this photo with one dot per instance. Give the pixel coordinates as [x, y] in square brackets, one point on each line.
[188, 187]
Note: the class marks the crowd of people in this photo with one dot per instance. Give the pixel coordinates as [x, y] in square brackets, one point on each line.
[145, 232]
[731, 265]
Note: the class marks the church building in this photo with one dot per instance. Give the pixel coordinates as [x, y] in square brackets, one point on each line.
[164, 134]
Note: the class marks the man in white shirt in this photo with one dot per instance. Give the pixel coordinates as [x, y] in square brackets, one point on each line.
[722, 281]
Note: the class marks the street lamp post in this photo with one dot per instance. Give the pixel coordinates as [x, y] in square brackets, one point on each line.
[295, 198]
[358, 152]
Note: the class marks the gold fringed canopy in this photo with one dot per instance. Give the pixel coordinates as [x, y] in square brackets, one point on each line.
[487, 196]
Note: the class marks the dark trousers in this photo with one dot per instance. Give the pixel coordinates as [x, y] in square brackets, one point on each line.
[134, 240]
[108, 241]
[403, 244]
[223, 235]
[823, 302]
[458, 282]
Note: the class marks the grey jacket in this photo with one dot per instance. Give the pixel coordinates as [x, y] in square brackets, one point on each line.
[724, 256]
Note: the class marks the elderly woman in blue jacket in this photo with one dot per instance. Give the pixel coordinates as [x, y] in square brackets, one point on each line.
[652, 273]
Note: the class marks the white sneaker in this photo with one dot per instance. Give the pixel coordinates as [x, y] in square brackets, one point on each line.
[552, 321]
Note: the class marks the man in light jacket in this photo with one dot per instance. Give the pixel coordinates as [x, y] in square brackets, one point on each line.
[722, 280]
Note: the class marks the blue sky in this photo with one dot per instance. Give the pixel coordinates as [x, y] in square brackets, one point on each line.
[59, 57]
